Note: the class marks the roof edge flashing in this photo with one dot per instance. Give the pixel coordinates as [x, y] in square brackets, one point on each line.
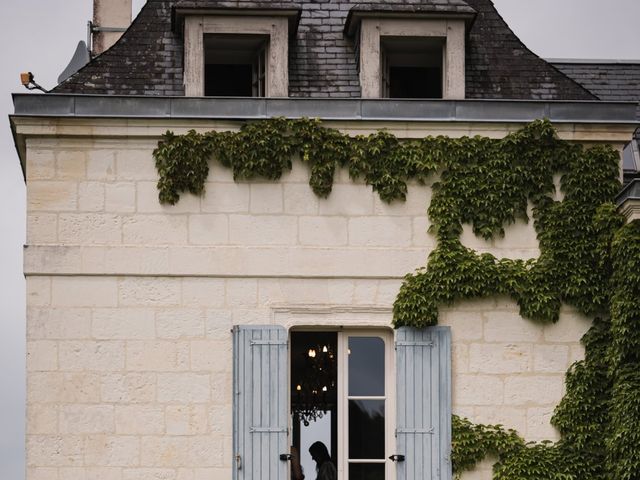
[471, 110]
[292, 14]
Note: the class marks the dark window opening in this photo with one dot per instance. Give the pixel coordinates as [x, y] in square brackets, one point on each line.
[412, 67]
[235, 65]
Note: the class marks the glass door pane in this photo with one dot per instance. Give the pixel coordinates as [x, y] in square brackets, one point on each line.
[366, 400]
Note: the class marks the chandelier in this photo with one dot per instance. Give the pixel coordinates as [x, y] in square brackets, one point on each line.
[315, 388]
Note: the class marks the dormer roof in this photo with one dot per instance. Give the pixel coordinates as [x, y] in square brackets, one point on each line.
[323, 63]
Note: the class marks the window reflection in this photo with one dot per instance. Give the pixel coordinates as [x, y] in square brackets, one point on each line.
[366, 366]
[366, 429]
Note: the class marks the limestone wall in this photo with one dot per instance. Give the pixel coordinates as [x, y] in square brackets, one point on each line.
[130, 306]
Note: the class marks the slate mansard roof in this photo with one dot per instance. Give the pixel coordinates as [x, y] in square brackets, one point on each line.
[148, 59]
[614, 81]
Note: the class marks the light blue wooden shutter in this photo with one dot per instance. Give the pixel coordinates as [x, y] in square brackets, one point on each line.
[260, 402]
[423, 433]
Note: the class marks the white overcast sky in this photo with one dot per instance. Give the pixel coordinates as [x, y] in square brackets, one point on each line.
[41, 36]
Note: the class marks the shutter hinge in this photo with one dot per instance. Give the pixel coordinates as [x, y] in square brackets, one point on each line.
[414, 344]
[268, 342]
[267, 430]
[417, 431]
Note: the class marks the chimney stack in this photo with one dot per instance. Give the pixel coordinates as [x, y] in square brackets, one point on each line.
[110, 19]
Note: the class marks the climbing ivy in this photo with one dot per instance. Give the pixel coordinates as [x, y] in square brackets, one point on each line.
[587, 259]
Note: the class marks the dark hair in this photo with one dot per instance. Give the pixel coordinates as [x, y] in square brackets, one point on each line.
[319, 451]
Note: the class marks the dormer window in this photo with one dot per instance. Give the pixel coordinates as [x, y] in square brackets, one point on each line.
[411, 51]
[236, 52]
[235, 65]
[412, 67]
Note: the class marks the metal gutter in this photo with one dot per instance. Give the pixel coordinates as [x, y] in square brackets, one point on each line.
[242, 108]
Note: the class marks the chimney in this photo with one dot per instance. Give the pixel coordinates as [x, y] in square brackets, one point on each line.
[110, 19]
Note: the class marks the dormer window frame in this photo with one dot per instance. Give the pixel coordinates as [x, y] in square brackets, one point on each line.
[452, 32]
[274, 25]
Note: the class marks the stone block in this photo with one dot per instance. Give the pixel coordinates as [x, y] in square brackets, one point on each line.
[263, 230]
[380, 231]
[155, 230]
[101, 165]
[40, 164]
[42, 419]
[416, 204]
[90, 228]
[52, 196]
[42, 228]
[208, 229]
[128, 388]
[120, 197]
[135, 164]
[54, 450]
[152, 292]
[219, 323]
[86, 419]
[348, 200]
[266, 198]
[104, 356]
[63, 387]
[42, 355]
[221, 389]
[153, 356]
[569, 328]
[184, 388]
[186, 419]
[71, 165]
[149, 202]
[465, 325]
[533, 390]
[551, 358]
[84, 292]
[299, 199]
[500, 358]
[226, 198]
[420, 236]
[509, 326]
[42, 473]
[38, 291]
[177, 323]
[477, 390]
[90, 473]
[211, 356]
[509, 417]
[181, 451]
[220, 418]
[241, 292]
[139, 419]
[576, 354]
[123, 323]
[112, 450]
[340, 291]
[460, 358]
[143, 259]
[365, 292]
[323, 231]
[149, 474]
[387, 292]
[539, 424]
[203, 292]
[91, 196]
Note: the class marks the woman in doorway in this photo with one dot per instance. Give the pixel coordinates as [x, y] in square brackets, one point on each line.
[325, 468]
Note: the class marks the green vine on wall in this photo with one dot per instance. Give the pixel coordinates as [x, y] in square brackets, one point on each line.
[584, 260]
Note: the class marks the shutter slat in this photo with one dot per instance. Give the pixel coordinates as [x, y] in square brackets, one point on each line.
[260, 406]
[423, 360]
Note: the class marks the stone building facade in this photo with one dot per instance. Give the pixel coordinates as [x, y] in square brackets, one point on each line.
[131, 303]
